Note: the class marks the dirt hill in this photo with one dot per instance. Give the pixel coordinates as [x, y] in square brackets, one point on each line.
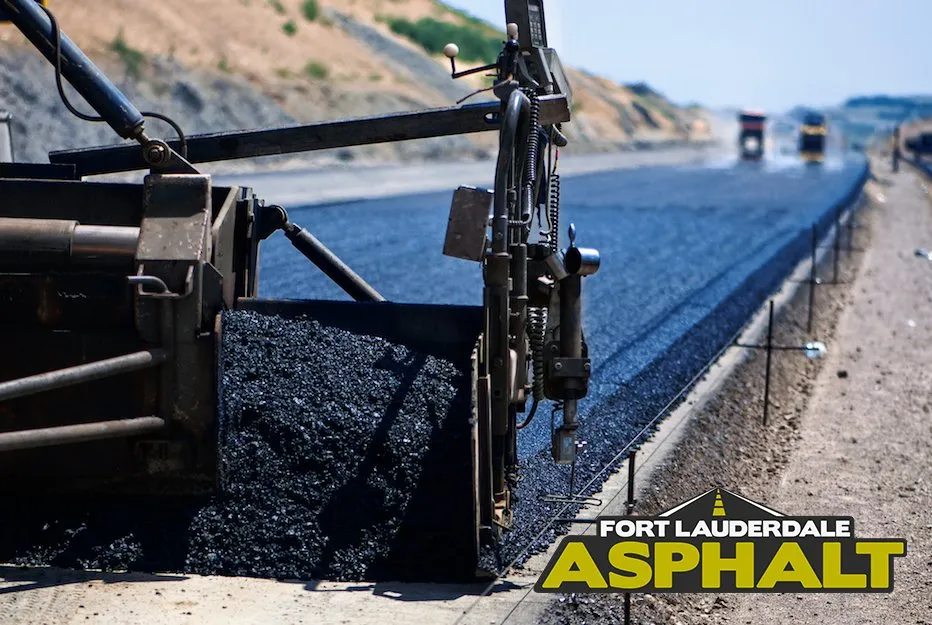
[232, 64]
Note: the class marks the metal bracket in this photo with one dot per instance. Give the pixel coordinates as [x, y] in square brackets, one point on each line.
[468, 226]
[570, 367]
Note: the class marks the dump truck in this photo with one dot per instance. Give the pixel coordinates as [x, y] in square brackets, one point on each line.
[812, 135]
[920, 145]
[751, 135]
[115, 295]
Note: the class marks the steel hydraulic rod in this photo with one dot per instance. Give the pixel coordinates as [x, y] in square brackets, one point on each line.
[330, 264]
[104, 241]
[70, 376]
[67, 238]
[79, 433]
[440, 122]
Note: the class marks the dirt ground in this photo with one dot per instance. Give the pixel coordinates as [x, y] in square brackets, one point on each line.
[849, 435]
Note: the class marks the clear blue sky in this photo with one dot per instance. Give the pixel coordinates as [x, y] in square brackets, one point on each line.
[770, 54]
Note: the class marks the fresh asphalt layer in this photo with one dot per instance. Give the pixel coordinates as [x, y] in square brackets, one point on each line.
[688, 253]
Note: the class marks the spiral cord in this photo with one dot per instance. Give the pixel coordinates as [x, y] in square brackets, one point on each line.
[537, 327]
[553, 214]
[533, 143]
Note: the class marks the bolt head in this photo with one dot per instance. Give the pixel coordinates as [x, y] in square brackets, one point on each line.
[156, 153]
[558, 365]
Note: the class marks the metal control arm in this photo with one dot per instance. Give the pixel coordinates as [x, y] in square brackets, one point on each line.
[272, 218]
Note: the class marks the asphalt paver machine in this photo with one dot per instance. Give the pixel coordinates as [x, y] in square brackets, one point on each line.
[111, 293]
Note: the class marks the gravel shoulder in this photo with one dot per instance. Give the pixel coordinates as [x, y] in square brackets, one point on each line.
[865, 445]
[849, 435]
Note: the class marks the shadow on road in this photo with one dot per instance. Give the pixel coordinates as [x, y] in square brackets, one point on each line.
[32, 578]
[403, 591]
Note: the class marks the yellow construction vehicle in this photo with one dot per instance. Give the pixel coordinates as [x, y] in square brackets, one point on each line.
[812, 135]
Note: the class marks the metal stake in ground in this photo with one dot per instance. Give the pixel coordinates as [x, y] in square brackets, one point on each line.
[812, 277]
[769, 354]
[629, 509]
[837, 246]
[813, 350]
[851, 215]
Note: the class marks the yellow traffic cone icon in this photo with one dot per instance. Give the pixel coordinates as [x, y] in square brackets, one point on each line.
[719, 507]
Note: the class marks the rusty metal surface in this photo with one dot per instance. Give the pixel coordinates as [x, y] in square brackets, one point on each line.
[223, 241]
[467, 228]
[56, 314]
[65, 301]
[110, 204]
[23, 236]
[175, 246]
[174, 231]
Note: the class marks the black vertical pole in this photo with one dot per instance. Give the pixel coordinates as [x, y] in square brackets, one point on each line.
[812, 278]
[851, 215]
[629, 505]
[769, 353]
[629, 508]
[837, 249]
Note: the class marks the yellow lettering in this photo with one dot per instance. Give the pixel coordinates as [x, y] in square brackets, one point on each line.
[713, 564]
[789, 555]
[621, 557]
[832, 577]
[665, 565]
[880, 554]
[574, 565]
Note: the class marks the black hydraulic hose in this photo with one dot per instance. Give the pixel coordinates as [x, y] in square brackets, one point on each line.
[516, 114]
[530, 416]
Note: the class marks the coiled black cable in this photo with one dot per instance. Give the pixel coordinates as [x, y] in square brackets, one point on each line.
[553, 213]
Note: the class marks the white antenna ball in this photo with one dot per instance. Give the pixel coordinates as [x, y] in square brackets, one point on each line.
[512, 30]
[451, 50]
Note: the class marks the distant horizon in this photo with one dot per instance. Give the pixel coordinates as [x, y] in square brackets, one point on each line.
[744, 54]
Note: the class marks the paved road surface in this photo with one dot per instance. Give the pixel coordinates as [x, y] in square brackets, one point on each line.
[679, 245]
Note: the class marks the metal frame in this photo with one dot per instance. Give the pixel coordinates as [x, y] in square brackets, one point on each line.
[120, 295]
[441, 122]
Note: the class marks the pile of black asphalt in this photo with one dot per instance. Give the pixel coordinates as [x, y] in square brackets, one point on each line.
[343, 456]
